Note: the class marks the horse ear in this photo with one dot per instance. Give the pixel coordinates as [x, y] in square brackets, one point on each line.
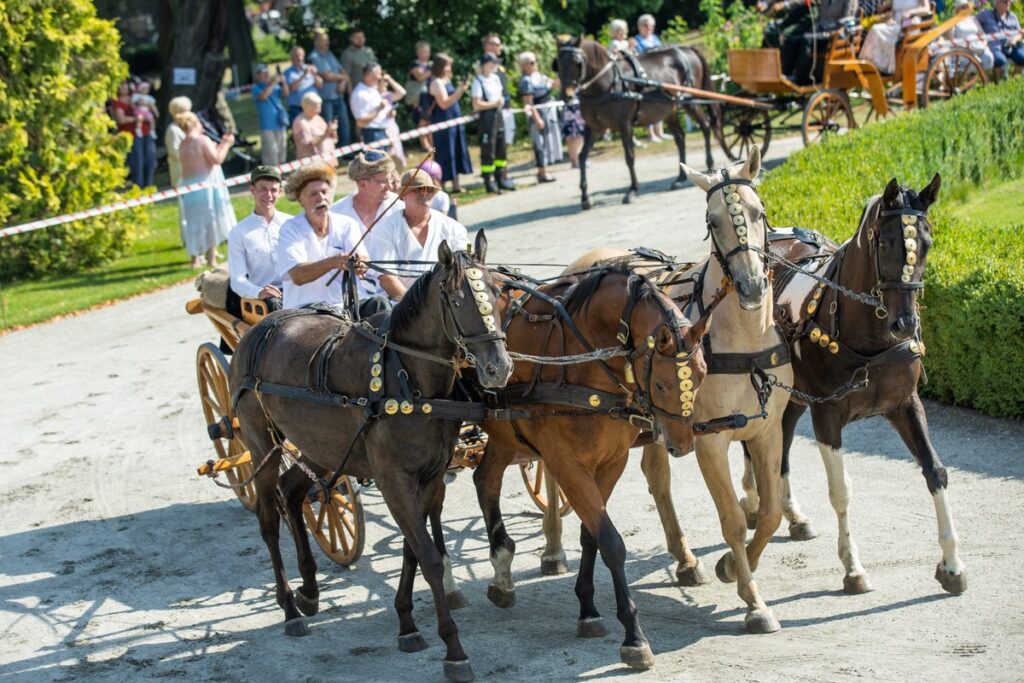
[892, 191]
[752, 168]
[701, 180]
[697, 332]
[480, 246]
[576, 40]
[444, 254]
[930, 193]
[665, 341]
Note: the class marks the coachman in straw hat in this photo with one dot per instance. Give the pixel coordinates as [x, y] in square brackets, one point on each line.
[317, 242]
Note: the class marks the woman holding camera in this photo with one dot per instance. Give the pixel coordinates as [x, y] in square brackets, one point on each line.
[443, 105]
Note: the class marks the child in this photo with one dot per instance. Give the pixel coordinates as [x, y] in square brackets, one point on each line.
[442, 201]
[145, 112]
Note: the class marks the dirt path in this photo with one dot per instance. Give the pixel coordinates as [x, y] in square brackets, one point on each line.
[117, 563]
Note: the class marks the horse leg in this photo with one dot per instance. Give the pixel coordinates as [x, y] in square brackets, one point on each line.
[828, 432]
[655, 466]
[750, 502]
[910, 421]
[712, 457]
[679, 136]
[452, 594]
[698, 115]
[626, 131]
[552, 560]
[588, 142]
[487, 478]
[590, 624]
[766, 456]
[800, 528]
[294, 485]
[409, 637]
[409, 504]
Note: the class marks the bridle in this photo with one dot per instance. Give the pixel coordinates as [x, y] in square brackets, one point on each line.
[580, 58]
[474, 279]
[729, 186]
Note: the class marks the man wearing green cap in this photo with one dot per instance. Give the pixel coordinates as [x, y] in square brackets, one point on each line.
[252, 244]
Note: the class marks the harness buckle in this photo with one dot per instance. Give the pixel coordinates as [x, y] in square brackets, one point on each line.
[645, 423]
[362, 401]
[623, 335]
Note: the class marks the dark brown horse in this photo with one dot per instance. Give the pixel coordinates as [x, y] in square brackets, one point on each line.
[609, 101]
[354, 405]
[651, 383]
[838, 341]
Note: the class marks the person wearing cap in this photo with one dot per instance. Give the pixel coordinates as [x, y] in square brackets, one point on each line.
[315, 244]
[413, 234]
[488, 96]
[266, 94]
[252, 245]
[373, 197]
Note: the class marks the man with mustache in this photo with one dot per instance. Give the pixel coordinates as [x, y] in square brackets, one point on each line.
[317, 242]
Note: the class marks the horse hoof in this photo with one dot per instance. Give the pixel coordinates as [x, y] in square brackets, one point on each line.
[456, 600]
[553, 566]
[411, 642]
[856, 584]
[628, 199]
[296, 628]
[458, 671]
[501, 597]
[802, 531]
[592, 627]
[751, 520]
[951, 583]
[308, 606]
[761, 621]
[637, 656]
[725, 569]
[696, 575]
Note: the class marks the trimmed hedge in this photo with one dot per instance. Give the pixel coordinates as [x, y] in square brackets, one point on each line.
[973, 306]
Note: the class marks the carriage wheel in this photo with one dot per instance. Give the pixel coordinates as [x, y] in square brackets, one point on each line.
[533, 476]
[827, 113]
[339, 527]
[952, 73]
[212, 373]
[749, 128]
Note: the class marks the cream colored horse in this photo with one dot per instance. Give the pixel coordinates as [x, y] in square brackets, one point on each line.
[742, 325]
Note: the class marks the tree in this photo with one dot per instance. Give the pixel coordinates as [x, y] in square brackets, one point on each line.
[59, 64]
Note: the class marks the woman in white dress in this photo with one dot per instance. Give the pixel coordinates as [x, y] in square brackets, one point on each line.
[880, 44]
[209, 215]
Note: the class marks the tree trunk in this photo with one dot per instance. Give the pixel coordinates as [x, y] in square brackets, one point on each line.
[193, 35]
[240, 44]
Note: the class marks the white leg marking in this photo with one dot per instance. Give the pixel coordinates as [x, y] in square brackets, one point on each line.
[948, 540]
[502, 563]
[449, 580]
[839, 495]
[791, 508]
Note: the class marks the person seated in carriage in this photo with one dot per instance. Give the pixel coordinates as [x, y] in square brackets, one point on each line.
[373, 198]
[315, 244]
[252, 245]
[799, 28]
[413, 234]
[880, 44]
[1003, 31]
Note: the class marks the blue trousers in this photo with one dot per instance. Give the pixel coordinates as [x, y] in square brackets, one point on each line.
[1003, 54]
[337, 110]
[142, 161]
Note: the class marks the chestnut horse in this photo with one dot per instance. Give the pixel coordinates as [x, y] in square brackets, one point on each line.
[608, 101]
[585, 416]
[334, 389]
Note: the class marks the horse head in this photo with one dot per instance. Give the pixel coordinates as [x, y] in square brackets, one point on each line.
[470, 316]
[738, 228]
[891, 246]
[570, 63]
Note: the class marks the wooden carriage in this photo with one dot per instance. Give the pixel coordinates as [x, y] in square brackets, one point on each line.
[920, 79]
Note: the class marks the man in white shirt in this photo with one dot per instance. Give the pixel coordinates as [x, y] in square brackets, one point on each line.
[252, 244]
[369, 108]
[414, 234]
[316, 243]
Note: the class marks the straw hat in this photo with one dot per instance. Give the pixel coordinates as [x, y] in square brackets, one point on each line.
[417, 178]
[307, 174]
[369, 164]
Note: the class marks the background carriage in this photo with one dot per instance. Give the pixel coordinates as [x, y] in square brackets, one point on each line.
[338, 525]
[927, 71]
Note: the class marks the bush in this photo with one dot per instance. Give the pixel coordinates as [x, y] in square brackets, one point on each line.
[738, 27]
[973, 308]
[57, 153]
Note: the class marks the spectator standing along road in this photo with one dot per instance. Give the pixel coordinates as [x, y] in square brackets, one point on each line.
[492, 45]
[209, 215]
[146, 114]
[335, 85]
[299, 79]
[356, 57]
[450, 143]
[488, 98]
[535, 89]
[274, 119]
[124, 117]
[369, 108]
[312, 134]
[174, 136]
[416, 86]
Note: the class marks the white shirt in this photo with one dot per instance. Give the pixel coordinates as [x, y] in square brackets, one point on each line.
[252, 254]
[487, 88]
[364, 101]
[392, 240]
[344, 206]
[298, 244]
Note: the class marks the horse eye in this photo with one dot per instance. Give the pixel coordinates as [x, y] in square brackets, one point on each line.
[659, 386]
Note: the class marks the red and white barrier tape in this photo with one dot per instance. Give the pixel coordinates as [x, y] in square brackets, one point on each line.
[287, 167]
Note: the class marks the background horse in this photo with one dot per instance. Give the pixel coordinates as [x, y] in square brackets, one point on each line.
[446, 317]
[586, 450]
[607, 102]
[838, 341]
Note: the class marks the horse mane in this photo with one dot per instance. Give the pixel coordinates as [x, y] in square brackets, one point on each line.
[584, 291]
[409, 308]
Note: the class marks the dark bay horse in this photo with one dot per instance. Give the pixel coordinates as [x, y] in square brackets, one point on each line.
[608, 102]
[650, 384]
[838, 341]
[355, 405]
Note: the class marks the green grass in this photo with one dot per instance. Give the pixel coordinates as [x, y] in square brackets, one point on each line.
[996, 206]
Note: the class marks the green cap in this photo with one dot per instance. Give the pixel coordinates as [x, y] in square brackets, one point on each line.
[261, 172]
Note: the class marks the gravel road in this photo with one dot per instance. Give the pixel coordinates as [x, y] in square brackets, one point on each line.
[118, 563]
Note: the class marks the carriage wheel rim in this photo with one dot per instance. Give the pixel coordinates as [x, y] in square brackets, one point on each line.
[336, 523]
